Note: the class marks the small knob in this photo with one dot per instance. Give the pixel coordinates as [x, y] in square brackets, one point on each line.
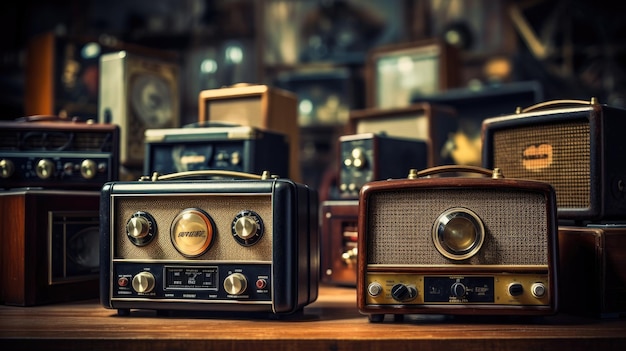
[88, 169]
[403, 292]
[349, 257]
[374, 289]
[247, 228]
[538, 290]
[138, 227]
[141, 228]
[45, 169]
[358, 158]
[235, 284]
[143, 282]
[516, 289]
[6, 168]
[458, 290]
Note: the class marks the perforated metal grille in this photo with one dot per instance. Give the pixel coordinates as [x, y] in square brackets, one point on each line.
[400, 226]
[569, 168]
[222, 210]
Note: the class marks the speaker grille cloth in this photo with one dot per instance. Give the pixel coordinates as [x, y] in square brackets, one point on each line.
[400, 226]
[222, 210]
[569, 171]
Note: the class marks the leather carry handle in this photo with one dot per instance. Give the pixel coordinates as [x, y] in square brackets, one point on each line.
[553, 103]
[495, 173]
[205, 173]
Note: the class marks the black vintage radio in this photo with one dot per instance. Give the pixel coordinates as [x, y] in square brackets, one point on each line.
[370, 156]
[456, 245]
[230, 148]
[577, 146]
[50, 246]
[235, 245]
[50, 152]
[338, 225]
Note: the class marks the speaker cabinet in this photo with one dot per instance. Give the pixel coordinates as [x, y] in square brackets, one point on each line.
[257, 106]
[339, 234]
[138, 92]
[579, 149]
[430, 123]
[50, 246]
[592, 277]
[456, 245]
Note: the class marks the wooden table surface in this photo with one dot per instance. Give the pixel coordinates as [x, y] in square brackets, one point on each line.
[331, 323]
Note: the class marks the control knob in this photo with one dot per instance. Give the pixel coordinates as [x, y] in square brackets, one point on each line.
[141, 228]
[143, 282]
[235, 284]
[6, 168]
[402, 292]
[45, 169]
[247, 228]
[458, 290]
[88, 169]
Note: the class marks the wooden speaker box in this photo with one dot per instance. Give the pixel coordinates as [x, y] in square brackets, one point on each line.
[592, 280]
[257, 106]
[50, 246]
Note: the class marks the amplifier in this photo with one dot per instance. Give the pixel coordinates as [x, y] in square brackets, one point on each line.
[576, 148]
[235, 148]
[456, 245]
[433, 124]
[138, 92]
[260, 106]
[592, 278]
[367, 157]
[339, 241]
[50, 246]
[216, 245]
[49, 152]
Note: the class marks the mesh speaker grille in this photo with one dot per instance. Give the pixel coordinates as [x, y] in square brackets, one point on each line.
[400, 226]
[569, 169]
[221, 208]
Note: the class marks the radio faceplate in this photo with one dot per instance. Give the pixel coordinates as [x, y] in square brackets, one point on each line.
[209, 245]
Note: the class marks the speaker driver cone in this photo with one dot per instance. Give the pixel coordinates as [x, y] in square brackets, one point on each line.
[458, 233]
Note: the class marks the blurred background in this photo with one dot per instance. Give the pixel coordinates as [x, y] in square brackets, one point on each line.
[319, 49]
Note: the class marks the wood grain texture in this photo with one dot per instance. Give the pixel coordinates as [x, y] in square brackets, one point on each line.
[331, 323]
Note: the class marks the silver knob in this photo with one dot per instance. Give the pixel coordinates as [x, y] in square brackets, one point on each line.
[235, 284]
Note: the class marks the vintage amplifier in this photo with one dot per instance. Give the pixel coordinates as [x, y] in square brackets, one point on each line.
[431, 123]
[339, 234]
[231, 148]
[51, 152]
[50, 246]
[369, 156]
[211, 245]
[574, 145]
[457, 245]
[138, 91]
[592, 278]
[259, 106]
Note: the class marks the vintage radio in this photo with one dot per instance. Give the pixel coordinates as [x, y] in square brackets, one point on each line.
[592, 278]
[50, 152]
[232, 148]
[367, 157]
[259, 106]
[456, 245]
[50, 246]
[217, 245]
[138, 92]
[395, 73]
[576, 148]
[338, 225]
[430, 123]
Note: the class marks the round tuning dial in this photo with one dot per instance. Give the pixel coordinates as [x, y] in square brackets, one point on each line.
[247, 228]
[45, 169]
[88, 169]
[6, 168]
[235, 284]
[403, 292]
[143, 282]
[141, 228]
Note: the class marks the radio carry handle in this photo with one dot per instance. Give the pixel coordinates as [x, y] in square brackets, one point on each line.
[496, 173]
[206, 173]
